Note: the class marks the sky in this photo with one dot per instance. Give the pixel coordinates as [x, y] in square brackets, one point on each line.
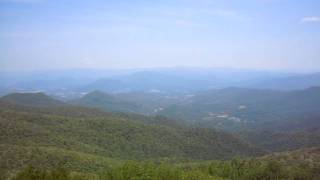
[104, 34]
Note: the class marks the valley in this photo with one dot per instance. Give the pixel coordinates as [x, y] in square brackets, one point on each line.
[101, 130]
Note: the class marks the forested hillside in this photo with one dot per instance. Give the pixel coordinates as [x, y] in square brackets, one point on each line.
[39, 131]
[31, 99]
[302, 165]
[107, 102]
[35, 136]
[247, 107]
[228, 109]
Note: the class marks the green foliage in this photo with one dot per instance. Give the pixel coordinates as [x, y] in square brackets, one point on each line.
[31, 99]
[87, 143]
[68, 142]
[32, 173]
[236, 169]
[107, 102]
[236, 109]
[283, 141]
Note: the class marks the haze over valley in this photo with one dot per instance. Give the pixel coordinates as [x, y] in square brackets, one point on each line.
[181, 90]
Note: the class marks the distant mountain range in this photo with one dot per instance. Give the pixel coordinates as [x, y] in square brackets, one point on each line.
[70, 84]
[192, 81]
[149, 81]
[289, 83]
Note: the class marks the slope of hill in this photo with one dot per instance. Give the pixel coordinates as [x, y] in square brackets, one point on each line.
[147, 103]
[247, 106]
[84, 144]
[31, 99]
[107, 102]
[302, 164]
[304, 157]
[162, 81]
[278, 141]
[289, 83]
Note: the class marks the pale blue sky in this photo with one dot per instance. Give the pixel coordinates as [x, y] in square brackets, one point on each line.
[255, 34]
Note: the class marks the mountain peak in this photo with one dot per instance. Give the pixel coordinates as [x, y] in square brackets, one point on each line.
[98, 94]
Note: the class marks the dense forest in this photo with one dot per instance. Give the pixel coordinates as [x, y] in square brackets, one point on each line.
[44, 138]
[236, 169]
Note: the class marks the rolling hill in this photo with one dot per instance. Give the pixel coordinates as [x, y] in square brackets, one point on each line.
[279, 141]
[247, 106]
[107, 102]
[224, 108]
[90, 141]
[31, 99]
[165, 81]
[295, 82]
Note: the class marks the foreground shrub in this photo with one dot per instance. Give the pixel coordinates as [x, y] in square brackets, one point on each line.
[237, 169]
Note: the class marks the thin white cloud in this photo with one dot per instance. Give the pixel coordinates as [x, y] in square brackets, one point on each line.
[310, 19]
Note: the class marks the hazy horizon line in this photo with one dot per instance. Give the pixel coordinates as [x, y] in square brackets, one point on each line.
[274, 70]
